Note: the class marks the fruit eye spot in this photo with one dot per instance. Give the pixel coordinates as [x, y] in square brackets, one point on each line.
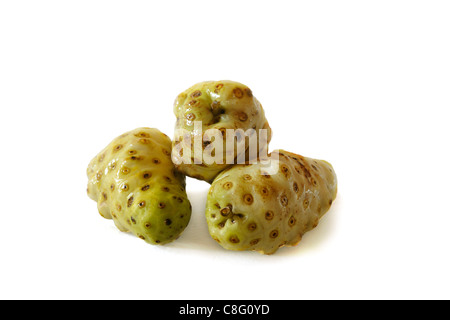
[292, 221]
[146, 175]
[305, 203]
[130, 201]
[234, 239]
[196, 94]
[248, 199]
[225, 211]
[238, 93]
[274, 234]
[284, 201]
[269, 215]
[142, 135]
[228, 185]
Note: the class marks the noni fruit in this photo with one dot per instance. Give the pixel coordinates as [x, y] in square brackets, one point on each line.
[224, 106]
[249, 209]
[134, 182]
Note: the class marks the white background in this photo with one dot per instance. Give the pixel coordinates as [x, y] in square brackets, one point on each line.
[362, 84]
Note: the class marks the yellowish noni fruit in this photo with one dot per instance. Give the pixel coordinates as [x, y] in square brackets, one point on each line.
[134, 182]
[220, 105]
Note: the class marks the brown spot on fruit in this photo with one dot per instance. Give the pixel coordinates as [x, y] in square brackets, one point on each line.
[248, 92]
[247, 177]
[292, 221]
[117, 148]
[133, 220]
[285, 170]
[248, 199]
[192, 103]
[104, 196]
[226, 211]
[295, 187]
[165, 189]
[190, 116]
[305, 203]
[238, 93]
[218, 87]
[330, 202]
[161, 205]
[148, 225]
[147, 175]
[112, 187]
[142, 135]
[144, 141]
[316, 223]
[124, 187]
[252, 226]
[167, 222]
[132, 152]
[284, 200]
[243, 116]
[221, 225]
[156, 161]
[141, 204]
[264, 191]
[234, 239]
[125, 170]
[228, 185]
[269, 215]
[254, 242]
[273, 234]
[145, 188]
[118, 207]
[141, 237]
[196, 94]
[99, 175]
[130, 201]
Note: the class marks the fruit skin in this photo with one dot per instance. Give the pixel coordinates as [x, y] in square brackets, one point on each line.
[134, 182]
[247, 209]
[219, 105]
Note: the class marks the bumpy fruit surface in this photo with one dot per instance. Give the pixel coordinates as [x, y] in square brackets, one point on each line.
[135, 183]
[218, 105]
[248, 209]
